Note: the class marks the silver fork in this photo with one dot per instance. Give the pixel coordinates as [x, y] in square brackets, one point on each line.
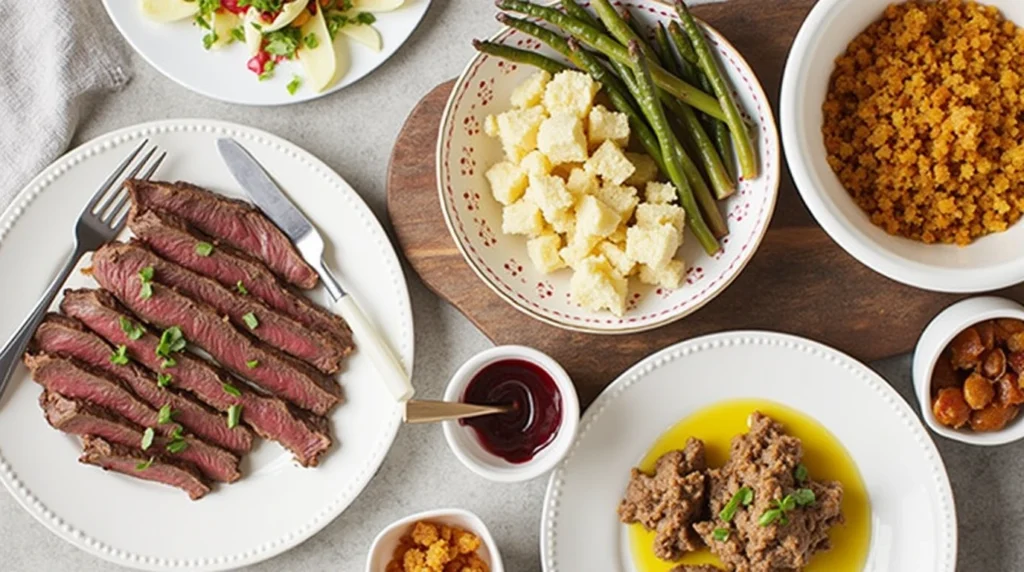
[100, 222]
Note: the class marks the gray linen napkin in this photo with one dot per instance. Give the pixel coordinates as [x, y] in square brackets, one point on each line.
[55, 55]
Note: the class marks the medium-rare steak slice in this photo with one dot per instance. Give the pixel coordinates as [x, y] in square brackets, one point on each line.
[135, 463]
[172, 238]
[304, 435]
[67, 337]
[76, 381]
[284, 376]
[235, 222]
[246, 312]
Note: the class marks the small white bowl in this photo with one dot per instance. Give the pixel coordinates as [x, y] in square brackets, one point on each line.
[942, 329]
[990, 263]
[466, 445]
[384, 545]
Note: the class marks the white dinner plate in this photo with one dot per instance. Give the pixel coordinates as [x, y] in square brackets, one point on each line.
[913, 520]
[176, 50]
[276, 504]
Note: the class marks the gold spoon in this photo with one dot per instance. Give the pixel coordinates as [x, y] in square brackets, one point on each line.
[417, 411]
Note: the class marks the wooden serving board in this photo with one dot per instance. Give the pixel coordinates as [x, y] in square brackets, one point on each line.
[799, 281]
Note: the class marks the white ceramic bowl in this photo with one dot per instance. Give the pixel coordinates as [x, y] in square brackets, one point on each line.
[465, 153]
[384, 545]
[464, 442]
[942, 329]
[988, 264]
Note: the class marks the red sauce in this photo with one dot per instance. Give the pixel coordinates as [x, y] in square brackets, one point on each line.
[531, 425]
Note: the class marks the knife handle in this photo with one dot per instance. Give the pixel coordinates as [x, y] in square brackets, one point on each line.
[372, 344]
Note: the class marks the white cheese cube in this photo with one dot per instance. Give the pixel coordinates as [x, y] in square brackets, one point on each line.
[580, 247]
[518, 129]
[619, 236]
[563, 221]
[660, 193]
[570, 92]
[522, 217]
[609, 163]
[596, 286]
[653, 246]
[535, 163]
[604, 125]
[561, 138]
[543, 251]
[508, 182]
[622, 199]
[549, 194]
[646, 169]
[491, 126]
[616, 255]
[648, 216]
[595, 218]
[531, 91]
[671, 276]
[582, 183]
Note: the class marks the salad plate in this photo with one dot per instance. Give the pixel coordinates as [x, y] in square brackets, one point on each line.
[277, 504]
[911, 512]
[177, 48]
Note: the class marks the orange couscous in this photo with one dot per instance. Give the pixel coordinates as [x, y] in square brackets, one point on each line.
[432, 547]
[924, 121]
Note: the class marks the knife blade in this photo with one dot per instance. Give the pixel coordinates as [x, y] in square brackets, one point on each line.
[269, 197]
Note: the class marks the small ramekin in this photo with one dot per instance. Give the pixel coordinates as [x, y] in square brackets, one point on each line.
[384, 545]
[942, 329]
[464, 442]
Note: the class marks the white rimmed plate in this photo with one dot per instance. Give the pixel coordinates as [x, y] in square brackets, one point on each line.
[175, 49]
[913, 518]
[473, 216]
[276, 504]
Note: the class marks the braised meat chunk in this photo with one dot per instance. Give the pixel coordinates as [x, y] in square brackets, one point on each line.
[670, 500]
[769, 515]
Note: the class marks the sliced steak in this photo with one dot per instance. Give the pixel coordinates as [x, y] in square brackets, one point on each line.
[246, 312]
[304, 435]
[277, 373]
[133, 463]
[67, 337]
[172, 238]
[76, 381]
[235, 222]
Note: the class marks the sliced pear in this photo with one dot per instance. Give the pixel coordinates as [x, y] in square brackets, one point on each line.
[253, 37]
[289, 12]
[377, 5]
[321, 62]
[223, 23]
[364, 34]
[168, 10]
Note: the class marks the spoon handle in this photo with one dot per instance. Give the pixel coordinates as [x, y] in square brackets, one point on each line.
[417, 411]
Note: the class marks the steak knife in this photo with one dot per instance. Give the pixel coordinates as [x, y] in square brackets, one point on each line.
[263, 191]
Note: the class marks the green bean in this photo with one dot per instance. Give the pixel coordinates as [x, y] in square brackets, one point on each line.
[740, 136]
[580, 13]
[616, 51]
[648, 100]
[520, 56]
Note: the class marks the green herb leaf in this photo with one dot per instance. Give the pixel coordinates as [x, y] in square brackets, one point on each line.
[143, 465]
[201, 22]
[238, 34]
[230, 389]
[163, 379]
[234, 414]
[120, 357]
[204, 248]
[800, 473]
[294, 84]
[146, 274]
[146, 291]
[311, 41]
[268, 70]
[176, 433]
[165, 414]
[176, 447]
[146, 279]
[720, 534]
[252, 364]
[241, 288]
[169, 362]
[209, 40]
[787, 503]
[729, 511]
[270, 6]
[250, 320]
[746, 496]
[803, 497]
[171, 340]
[283, 42]
[365, 18]
[769, 516]
[147, 438]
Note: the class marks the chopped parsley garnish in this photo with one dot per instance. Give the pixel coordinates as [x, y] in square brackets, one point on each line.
[337, 20]
[311, 41]
[163, 379]
[250, 320]
[203, 23]
[176, 433]
[365, 18]
[146, 278]
[262, 5]
[133, 331]
[120, 357]
[238, 34]
[165, 415]
[147, 438]
[294, 84]
[720, 534]
[241, 288]
[800, 497]
[170, 341]
[169, 362]
[230, 389]
[176, 447]
[800, 473]
[744, 496]
[804, 497]
[234, 414]
[210, 39]
[283, 42]
[204, 248]
[252, 364]
[143, 465]
[268, 70]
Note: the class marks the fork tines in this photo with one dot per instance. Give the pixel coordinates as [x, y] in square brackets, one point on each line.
[110, 203]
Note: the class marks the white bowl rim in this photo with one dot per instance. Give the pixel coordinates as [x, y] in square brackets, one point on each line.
[927, 353]
[555, 451]
[441, 169]
[480, 529]
[851, 239]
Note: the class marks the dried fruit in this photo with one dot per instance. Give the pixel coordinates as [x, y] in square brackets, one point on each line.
[950, 408]
[987, 332]
[1008, 390]
[1006, 327]
[993, 364]
[993, 417]
[1016, 360]
[967, 349]
[944, 375]
[978, 391]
